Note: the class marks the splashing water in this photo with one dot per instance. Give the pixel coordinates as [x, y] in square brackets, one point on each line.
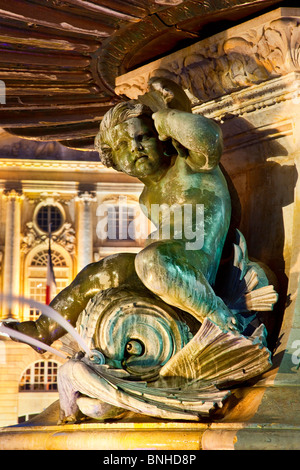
[49, 312]
[27, 339]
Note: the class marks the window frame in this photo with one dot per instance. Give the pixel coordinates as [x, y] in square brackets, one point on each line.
[132, 210]
[38, 274]
[38, 374]
[46, 203]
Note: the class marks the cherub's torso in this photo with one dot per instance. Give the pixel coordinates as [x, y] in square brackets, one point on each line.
[180, 185]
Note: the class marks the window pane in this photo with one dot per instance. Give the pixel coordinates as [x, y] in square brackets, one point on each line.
[36, 287]
[49, 215]
[41, 376]
[119, 223]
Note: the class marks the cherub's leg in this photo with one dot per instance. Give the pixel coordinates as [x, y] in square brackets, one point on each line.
[180, 278]
[111, 271]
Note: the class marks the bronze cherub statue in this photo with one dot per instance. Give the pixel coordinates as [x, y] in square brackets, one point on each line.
[168, 339]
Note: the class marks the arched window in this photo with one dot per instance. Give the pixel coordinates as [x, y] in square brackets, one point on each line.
[40, 377]
[36, 275]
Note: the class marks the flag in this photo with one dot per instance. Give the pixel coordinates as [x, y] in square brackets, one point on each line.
[50, 282]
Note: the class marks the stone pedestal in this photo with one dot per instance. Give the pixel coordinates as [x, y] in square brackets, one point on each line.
[141, 433]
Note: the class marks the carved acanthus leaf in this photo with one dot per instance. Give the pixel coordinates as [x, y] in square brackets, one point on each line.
[244, 60]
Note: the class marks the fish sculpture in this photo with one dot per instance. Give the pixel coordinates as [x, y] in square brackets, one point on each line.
[151, 358]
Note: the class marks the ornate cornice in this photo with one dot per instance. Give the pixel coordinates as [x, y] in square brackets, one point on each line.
[256, 97]
[251, 53]
[55, 165]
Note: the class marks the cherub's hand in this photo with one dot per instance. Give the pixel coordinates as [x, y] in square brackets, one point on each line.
[160, 122]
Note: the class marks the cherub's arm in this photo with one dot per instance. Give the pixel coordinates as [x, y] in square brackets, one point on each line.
[201, 137]
[104, 274]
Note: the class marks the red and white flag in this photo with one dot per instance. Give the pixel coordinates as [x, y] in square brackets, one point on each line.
[50, 282]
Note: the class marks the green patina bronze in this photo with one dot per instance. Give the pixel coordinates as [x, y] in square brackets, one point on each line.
[190, 175]
[176, 154]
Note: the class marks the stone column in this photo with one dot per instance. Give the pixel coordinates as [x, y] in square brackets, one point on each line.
[84, 229]
[11, 272]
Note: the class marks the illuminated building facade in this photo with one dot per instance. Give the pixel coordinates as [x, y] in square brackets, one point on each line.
[93, 213]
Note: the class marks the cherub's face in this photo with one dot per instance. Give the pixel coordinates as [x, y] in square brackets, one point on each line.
[136, 149]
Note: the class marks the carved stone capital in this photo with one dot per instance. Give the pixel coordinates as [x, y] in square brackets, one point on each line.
[13, 194]
[86, 196]
[253, 52]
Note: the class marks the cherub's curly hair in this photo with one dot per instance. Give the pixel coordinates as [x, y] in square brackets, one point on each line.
[116, 115]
